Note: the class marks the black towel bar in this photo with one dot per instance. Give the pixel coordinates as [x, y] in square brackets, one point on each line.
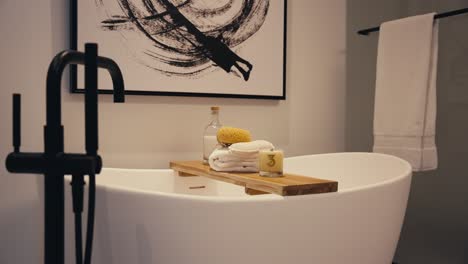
[366, 31]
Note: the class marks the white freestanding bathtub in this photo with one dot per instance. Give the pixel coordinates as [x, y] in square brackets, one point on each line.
[154, 216]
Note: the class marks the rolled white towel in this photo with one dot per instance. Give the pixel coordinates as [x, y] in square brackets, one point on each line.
[233, 167]
[235, 164]
[249, 149]
[225, 155]
[225, 160]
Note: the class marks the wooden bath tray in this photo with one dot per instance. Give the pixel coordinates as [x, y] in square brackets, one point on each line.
[287, 185]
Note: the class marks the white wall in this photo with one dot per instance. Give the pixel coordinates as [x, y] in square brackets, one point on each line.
[148, 132]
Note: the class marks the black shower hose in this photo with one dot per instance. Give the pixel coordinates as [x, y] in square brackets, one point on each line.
[77, 184]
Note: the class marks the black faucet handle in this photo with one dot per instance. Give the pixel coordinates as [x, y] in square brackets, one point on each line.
[16, 122]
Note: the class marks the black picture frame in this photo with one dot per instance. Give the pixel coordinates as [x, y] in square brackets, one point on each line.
[74, 75]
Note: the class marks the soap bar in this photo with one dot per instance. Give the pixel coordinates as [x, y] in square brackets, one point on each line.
[270, 163]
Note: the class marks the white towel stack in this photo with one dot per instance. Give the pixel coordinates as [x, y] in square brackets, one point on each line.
[405, 99]
[239, 157]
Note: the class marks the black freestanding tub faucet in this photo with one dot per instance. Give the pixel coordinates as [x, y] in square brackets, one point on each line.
[54, 163]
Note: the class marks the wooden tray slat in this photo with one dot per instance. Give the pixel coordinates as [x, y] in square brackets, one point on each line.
[287, 185]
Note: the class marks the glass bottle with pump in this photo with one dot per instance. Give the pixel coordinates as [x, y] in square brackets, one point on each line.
[209, 137]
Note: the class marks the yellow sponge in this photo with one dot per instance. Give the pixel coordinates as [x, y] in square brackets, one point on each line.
[231, 135]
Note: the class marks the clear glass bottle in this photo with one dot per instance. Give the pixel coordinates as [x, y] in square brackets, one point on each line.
[209, 137]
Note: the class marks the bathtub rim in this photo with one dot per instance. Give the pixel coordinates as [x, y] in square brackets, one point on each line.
[406, 173]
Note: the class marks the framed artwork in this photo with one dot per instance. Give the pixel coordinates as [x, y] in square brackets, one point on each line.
[210, 48]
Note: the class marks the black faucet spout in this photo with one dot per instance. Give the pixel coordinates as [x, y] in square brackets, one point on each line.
[54, 78]
[116, 75]
[53, 130]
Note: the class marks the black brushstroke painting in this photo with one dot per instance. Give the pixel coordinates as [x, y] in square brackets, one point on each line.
[190, 37]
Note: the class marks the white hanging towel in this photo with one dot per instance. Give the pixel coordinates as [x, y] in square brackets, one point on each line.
[405, 96]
